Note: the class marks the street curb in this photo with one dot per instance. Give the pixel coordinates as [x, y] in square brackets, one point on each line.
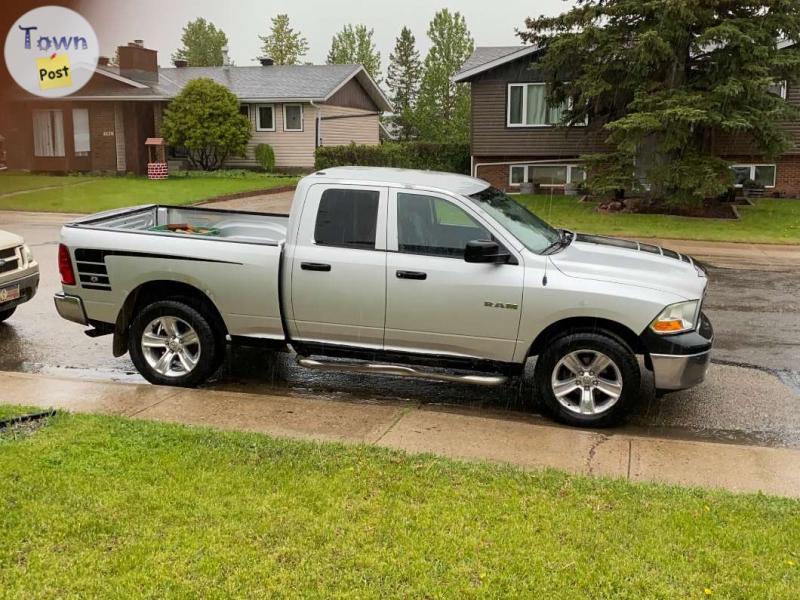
[248, 194]
[522, 440]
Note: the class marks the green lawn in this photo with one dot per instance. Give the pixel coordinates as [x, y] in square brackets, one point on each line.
[770, 221]
[103, 193]
[8, 411]
[100, 506]
[17, 182]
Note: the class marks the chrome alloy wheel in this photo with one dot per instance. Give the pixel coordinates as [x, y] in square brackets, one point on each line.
[171, 346]
[586, 382]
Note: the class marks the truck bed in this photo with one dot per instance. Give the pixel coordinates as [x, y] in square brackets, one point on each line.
[232, 226]
[118, 251]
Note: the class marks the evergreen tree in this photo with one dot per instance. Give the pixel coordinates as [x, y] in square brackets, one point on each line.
[283, 45]
[354, 45]
[666, 79]
[202, 44]
[402, 78]
[442, 110]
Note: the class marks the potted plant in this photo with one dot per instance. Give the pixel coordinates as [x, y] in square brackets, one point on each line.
[752, 189]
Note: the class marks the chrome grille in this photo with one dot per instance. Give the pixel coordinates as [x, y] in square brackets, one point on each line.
[9, 260]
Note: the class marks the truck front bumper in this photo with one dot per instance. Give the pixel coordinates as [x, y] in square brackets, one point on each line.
[28, 284]
[70, 308]
[680, 361]
[678, 372]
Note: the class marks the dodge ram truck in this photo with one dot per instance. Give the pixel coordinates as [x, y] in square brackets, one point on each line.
[396, 272]
[19, 274]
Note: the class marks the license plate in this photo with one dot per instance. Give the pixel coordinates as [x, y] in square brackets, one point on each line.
[8, 294]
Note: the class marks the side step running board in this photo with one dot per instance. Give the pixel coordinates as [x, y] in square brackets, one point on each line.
[398, 371]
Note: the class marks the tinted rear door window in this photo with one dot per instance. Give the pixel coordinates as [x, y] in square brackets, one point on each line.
[347, 218]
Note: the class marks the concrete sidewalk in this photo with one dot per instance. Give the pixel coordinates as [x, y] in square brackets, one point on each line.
[735, 255]
[527, 442]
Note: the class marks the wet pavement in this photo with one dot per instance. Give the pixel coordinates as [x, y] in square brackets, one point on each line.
[752, 393]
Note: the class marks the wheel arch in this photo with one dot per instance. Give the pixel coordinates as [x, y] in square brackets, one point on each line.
[585, 324]
[152, 291]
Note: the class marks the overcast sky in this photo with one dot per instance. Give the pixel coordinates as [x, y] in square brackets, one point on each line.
[159, 22]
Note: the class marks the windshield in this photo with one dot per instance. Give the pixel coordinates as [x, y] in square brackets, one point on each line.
[529, 229]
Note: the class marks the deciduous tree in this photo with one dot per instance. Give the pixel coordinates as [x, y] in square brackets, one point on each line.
[354, 45]
[283, 45]
[204, 118]
[202, 44]
[442, 111]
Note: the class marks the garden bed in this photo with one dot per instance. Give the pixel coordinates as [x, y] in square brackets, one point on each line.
[709, 210]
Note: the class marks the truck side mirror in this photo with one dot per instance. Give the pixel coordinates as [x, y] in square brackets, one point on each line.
[485, 251]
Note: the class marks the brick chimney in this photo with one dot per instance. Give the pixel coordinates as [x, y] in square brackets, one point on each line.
[138, 63]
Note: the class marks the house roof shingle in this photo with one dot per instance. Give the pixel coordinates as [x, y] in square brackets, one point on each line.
[487, 57]
[274, 83]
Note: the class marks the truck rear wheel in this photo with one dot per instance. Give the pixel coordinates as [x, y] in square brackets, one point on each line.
[4, 314]
[172, 343]
[588, 379]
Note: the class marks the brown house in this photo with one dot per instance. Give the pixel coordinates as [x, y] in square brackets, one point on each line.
[514, 137]
[103, 126]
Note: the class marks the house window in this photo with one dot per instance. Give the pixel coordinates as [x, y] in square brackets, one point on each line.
[80, 131]
[546, 175]
[265, 117]
[527, 106]
[293, 117]
[778, 88]
[244, 110]
[518, 174]
[48, 133]
[761, 174]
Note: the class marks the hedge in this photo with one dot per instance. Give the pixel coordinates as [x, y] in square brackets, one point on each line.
[408, 155]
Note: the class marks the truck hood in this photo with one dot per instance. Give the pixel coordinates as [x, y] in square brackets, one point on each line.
[631, 263]
[8, 239]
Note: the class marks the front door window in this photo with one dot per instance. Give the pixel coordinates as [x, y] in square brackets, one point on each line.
[430, 225]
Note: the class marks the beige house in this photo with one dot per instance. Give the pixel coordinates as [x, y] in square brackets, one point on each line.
[294, 108]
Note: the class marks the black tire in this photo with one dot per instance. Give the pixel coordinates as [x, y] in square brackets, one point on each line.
[5, 314]
[624, 370]
[211, 351]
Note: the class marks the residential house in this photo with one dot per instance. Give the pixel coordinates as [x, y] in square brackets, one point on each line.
[514, 137]
[103, 126]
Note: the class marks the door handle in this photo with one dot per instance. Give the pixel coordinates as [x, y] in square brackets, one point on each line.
[411, 275]
[309, 266]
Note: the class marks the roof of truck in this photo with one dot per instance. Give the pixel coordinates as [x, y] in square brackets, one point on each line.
[452, 182]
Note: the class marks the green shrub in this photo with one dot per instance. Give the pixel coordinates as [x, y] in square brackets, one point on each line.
[204, 118]
[408, 155]
[265, 156]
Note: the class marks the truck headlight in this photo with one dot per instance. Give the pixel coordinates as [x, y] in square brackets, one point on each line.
[27, 255]
[677, 318]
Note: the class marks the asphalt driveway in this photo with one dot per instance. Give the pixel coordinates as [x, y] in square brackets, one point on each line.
[752, 393]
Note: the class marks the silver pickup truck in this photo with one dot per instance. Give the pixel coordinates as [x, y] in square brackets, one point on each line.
[407, 273]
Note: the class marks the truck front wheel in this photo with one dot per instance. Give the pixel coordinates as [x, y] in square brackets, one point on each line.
[172, 343]
[588, 379]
